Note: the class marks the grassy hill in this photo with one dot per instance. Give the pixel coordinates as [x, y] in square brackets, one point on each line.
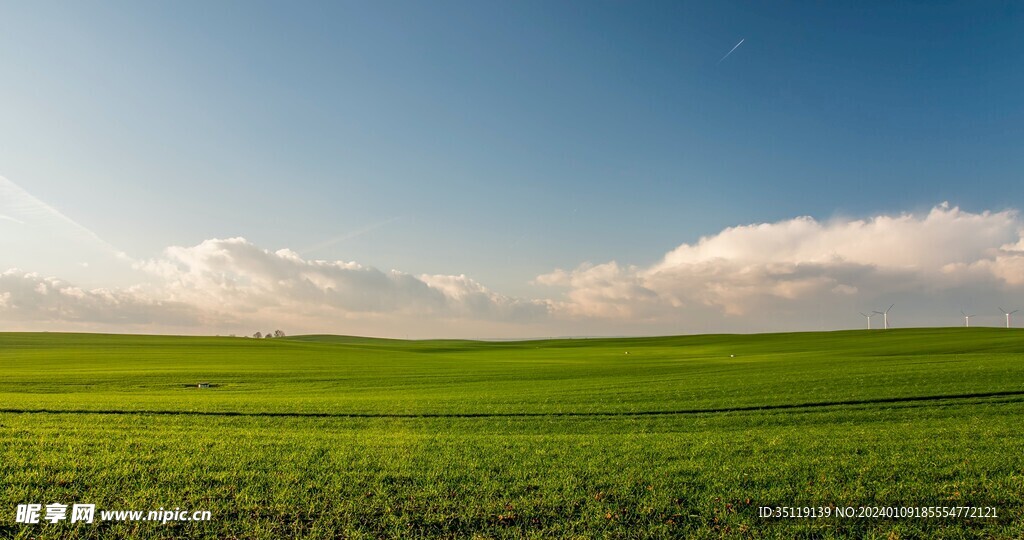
[335, 436]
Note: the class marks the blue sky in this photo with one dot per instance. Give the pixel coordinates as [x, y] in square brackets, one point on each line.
[498, 140]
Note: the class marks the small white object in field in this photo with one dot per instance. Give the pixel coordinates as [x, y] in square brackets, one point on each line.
[627, 352]
[732, 356]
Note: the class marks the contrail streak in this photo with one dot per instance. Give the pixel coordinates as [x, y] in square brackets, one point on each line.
[348, 236]
[733, 49]
[17, 201]
[9, 218]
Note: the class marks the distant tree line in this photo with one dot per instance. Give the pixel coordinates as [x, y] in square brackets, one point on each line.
[274, 334]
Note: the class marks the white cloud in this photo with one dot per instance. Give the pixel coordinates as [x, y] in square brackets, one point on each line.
[234, 274]
[925, 243]
[227, 284]
[467, 298]
[794, 274]
[604, 290]
[26, 297]
[746, 268]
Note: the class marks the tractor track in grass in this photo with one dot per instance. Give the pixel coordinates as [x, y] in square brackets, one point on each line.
[943, 399]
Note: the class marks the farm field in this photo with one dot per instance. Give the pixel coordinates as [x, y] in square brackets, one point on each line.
[684, 437]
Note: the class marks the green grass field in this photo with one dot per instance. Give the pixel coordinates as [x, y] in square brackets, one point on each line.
[685, 437]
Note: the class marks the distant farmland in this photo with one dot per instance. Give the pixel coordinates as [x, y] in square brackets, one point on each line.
[685, 437]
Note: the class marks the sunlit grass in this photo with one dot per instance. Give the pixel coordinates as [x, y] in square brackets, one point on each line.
[683, 437]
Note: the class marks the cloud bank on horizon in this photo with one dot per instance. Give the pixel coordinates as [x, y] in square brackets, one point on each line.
[795, 274]
[741, 269]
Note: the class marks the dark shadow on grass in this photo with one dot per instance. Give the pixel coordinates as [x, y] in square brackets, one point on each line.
[716, 410]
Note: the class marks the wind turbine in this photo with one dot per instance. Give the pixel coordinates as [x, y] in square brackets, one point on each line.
[868, 317]
[885, 317]
[1008, 313]
[967, 318]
